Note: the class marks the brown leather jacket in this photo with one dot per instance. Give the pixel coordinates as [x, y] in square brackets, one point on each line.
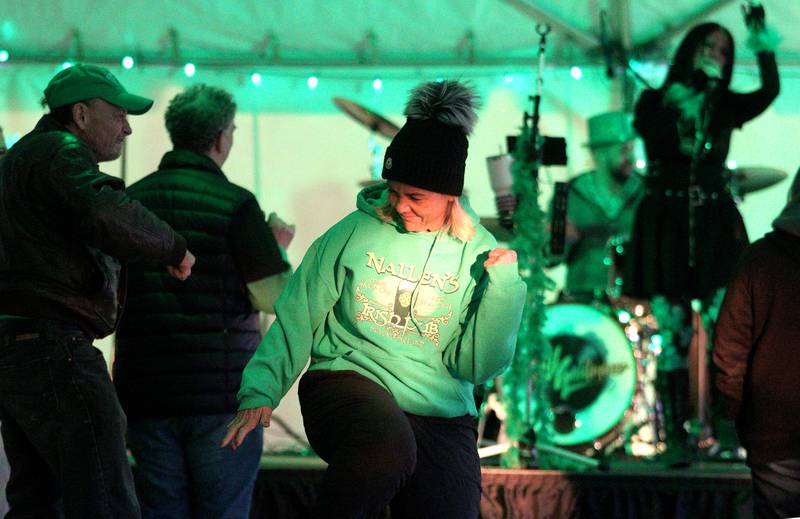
[756, 348]
[66, 231]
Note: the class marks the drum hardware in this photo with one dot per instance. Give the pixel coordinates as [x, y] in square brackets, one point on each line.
[497, 229]
[699, 390]
[376, 124]
[749, 179]
[600, 385]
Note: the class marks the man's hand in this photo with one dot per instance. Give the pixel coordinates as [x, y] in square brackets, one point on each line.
[184, 269]
[245, 421]
[283, 231]
[500, 256]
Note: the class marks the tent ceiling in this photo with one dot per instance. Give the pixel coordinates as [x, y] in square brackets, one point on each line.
[365, 33]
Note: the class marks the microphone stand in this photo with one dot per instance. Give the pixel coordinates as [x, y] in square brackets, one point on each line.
[698, 380]
[542, 30]
[527, 444]
[702, 145]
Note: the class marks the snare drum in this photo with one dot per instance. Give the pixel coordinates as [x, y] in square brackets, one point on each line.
[590, 378]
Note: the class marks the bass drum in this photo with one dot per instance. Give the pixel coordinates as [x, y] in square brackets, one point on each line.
[589, 379]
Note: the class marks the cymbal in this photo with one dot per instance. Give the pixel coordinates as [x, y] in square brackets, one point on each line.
[368, 118]
[749, 179]
[500, 232]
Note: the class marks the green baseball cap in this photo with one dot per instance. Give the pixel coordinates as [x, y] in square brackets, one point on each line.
[81, 82]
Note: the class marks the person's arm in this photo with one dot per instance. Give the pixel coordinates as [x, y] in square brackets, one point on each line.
[750, 105]
[299, 317]
[94, 205]
[490, 322]
[733, 339]
[258, 248]
[283, 353]
[651, 119]
[263, 293]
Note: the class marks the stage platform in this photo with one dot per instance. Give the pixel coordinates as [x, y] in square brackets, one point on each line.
[287, 485]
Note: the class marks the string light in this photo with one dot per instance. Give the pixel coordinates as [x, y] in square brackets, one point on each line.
[255, 77]
[3, 55]
[508, 78]
[189, 69]
[312, 82]
[66, 65]
[576, 73]
[377, 84]
[128, 62]
[731, 164]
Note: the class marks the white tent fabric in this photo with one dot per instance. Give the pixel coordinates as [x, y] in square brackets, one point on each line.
[364, 31]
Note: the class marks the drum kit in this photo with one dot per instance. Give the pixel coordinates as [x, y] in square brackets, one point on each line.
[599, 380]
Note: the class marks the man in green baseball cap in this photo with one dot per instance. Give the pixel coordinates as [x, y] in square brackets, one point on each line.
[83, 82]
[67, 232]
[93, 105]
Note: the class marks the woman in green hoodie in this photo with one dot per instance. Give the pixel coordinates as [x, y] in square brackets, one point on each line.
[402, 307]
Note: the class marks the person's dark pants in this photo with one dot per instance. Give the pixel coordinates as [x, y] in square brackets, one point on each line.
[62, 427]
[379, 455]
[776, 489]
[182, 472]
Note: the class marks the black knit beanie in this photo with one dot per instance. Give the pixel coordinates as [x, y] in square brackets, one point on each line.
[430, 150]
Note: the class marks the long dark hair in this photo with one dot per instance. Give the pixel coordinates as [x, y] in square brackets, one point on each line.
[682, 65]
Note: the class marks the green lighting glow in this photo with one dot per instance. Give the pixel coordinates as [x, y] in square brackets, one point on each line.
[7, 30]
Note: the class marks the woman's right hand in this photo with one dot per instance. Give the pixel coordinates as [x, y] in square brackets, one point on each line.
[245, 421]
[687, 101]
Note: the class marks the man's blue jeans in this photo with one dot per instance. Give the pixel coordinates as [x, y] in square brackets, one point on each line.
[63, 428]
[180, 470]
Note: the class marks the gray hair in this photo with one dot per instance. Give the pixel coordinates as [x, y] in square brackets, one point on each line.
[196, 116]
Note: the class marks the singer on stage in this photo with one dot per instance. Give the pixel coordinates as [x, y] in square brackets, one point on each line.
[688, 232]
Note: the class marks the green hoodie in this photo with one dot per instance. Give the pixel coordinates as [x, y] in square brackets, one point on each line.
[416, 312]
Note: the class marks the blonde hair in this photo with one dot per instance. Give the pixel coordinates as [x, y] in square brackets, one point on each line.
[457, 223]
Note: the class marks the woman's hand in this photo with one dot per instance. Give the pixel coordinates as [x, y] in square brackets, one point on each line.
[687, 101]
[245, 421]
[500, 256]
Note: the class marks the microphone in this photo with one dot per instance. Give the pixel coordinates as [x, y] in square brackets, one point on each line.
[606, 46]
[707, 78]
